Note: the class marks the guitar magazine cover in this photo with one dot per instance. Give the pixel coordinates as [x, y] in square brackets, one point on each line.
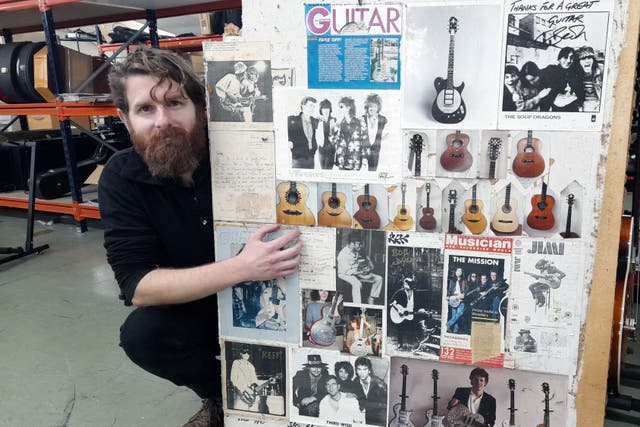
[326, 388]
[346, 136]
[555, 64]
[239, 85]
[474, 305]
[254, 378]
[257, 310]
[452, 64]
[352, 47]
[414, 294]
[510, 398]
[546, 303]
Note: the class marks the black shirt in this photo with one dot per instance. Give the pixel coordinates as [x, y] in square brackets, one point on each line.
[153, 222]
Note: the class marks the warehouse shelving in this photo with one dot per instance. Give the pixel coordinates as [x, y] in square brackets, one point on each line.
[23, 16]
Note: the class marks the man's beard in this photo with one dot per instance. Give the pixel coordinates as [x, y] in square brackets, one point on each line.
[172, 152]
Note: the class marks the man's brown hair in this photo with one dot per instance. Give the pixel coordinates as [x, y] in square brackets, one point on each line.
[164, 64]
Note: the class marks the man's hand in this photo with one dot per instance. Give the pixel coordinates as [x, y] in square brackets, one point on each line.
[307, 400]
[270, 260]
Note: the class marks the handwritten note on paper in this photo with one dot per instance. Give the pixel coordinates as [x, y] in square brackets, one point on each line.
[243, 176]
[317, 263]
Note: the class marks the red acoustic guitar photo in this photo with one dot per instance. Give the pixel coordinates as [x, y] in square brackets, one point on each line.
[367, 216]
[428, 221]
[456, 157]
[541, 215]
[528, 163]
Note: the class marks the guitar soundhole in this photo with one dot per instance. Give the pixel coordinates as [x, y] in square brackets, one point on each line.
[506, 209]
[366, 206]
[457, 143]
[334, 202]
[542, 206]
[403, 211]
[293, 197]
[529, 150]
[473, 209]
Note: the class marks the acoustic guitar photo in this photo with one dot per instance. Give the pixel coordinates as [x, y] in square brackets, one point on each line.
[448, 107]
[403, 220]
[505, 220]
[428, 221]
[366, 215]
[456, 157]
[541, 215]
[528, 163]
[333, 212]
[473, 217]
[292, 208]
[453, 195]
[494, 152]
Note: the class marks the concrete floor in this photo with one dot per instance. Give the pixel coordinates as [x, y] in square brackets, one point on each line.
[60, 363]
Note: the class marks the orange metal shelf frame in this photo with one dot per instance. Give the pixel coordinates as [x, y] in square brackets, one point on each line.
[78, 211]
[183, 43]
[63, 110]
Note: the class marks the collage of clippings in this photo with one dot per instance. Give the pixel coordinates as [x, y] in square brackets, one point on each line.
[440, 188]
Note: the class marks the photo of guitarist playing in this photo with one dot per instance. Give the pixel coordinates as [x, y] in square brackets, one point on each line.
[237, 93]
[549, 278]
[244, 379]
[356, 268]
[470, 404]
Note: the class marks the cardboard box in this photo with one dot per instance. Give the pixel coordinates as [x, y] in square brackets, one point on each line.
[40, 122]
[206, 21]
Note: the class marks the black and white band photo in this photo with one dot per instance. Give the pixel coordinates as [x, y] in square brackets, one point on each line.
[329, 388]
[239, 86]
[360, 265]
[256, 378]
[332, 135]
[555, 63]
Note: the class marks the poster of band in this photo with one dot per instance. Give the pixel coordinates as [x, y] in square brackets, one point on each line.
[328, 388]
[450, 76]
[353, 47]
[414, 294]
[474, 305]
[337, 136]
[555, 64]
[239, 86]
[263, 309]
[436, 394]
[254, 378]
[545, 303]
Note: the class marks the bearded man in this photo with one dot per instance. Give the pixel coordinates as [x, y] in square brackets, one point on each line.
[155, 204]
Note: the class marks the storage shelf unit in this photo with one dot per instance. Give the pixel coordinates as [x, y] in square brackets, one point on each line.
[24, 16]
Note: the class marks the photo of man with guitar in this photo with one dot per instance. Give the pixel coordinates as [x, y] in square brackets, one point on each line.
[472, 406]
[357, 275]
[239, 94]
[255, 378]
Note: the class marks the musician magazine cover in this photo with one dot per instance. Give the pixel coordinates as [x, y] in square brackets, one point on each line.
[546, 303]
[254, 378]
[258, 310]
[239, 85]
[414, 294]
[436, 394]
[452, 66]
[328, 388]
[476, 282]
[555, 64]
[343, 136]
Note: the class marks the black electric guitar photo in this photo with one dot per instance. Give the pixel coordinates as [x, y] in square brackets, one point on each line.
[511, 422]
[417, 143]
[448, 106]
[402, 416]
[453, 195]
[433, 419]
[547, 411]
[494, 152]
[567, 233]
